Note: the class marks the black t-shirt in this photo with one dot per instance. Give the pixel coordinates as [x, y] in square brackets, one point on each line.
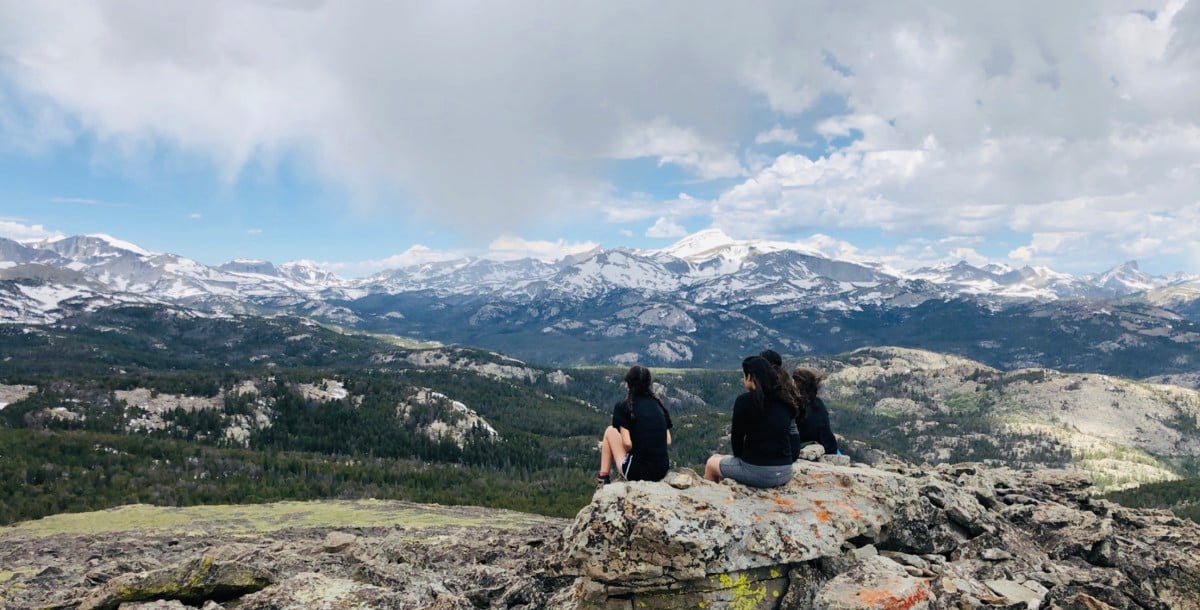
[761, 437]
[814, 426]
[647, 429]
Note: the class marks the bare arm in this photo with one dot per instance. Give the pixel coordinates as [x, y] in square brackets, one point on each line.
[625, 439]
[668, 438]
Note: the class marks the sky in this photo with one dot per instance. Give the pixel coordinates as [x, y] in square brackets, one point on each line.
[367, 135]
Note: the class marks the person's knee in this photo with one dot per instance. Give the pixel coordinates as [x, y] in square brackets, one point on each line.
[713, 465]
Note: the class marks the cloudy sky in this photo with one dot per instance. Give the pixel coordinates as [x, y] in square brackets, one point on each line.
[367, 134]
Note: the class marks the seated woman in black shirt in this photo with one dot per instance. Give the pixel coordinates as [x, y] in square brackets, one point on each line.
[762, 417]
[640, 433]
[813, 424]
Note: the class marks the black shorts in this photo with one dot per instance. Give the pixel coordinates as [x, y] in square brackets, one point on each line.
[634, 470]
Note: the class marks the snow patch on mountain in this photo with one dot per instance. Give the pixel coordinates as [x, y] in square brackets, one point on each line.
[699, 245]
[121, 244]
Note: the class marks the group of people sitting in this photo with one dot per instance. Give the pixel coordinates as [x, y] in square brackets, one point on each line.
[777, 415]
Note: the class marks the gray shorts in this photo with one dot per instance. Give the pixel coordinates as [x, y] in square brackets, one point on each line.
[754, 476]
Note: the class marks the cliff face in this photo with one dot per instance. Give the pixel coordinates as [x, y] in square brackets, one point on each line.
[837, 537]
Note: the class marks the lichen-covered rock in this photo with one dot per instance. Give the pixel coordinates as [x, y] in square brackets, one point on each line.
[196, 580]
[311, 590]
[654, 533]
[897, 536]
[877, 583]
[336, 542]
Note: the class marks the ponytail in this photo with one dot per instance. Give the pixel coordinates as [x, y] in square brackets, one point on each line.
[639, 383]
[787, 387]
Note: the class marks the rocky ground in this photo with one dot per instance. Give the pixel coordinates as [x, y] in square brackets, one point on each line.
[360, 554]
[840, 536]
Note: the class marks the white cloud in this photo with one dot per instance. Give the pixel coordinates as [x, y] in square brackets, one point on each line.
[416, 254]
[254, 231]
[668, 143]
[777, 135]
[1044, 245]
[195, 216]
[18, 231]
[831, 247]
[665, 227]
[511, 247]
[626, 232]
[643, 207]
[943, 118]
[78, 200]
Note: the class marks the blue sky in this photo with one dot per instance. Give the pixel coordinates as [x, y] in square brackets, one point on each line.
[365, 136]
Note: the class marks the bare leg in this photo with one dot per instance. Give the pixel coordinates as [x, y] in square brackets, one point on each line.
[712, 468]
[612, 449]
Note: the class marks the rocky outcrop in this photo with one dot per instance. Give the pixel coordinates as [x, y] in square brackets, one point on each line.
[197, 580]
[294, 555]
[837, 537]
[856, 537]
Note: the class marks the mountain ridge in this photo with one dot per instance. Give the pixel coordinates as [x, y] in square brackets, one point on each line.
[736, 293]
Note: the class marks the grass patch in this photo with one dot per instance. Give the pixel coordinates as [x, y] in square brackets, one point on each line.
[259, 518]
[396, 340]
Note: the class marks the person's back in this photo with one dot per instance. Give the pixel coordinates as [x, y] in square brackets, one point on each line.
[762, 418]
[814, 427]
[640, 433]
[648, 430]
[760, 436]
[812, 423]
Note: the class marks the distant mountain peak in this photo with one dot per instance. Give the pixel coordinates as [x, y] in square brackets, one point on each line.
[699, 243]
[120, 243]
[249, 265]
[1127, 278]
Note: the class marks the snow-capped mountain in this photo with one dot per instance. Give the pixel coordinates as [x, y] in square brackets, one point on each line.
[1035, 283]
[1126, 278]
[95, 266]
[693, 301]
[459, 276]
[708, 267]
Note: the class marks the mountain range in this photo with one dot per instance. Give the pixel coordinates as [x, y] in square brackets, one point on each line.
[701, 301]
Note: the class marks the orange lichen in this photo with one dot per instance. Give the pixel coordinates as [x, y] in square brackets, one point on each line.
[884, 599]
[849, 509]
[783, 501]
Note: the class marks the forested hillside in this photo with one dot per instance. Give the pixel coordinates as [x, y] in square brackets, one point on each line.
[149, 405]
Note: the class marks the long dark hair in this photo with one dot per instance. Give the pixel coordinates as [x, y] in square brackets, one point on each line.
[638, 382]
[789, 392]
[766, 382]
[808, 383]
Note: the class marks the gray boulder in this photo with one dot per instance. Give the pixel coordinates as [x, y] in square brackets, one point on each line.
[848, 537]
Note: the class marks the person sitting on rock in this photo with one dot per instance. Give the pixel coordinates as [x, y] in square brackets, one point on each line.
[762, 418]
[813, 422]
[789, 386]
[640, 433]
